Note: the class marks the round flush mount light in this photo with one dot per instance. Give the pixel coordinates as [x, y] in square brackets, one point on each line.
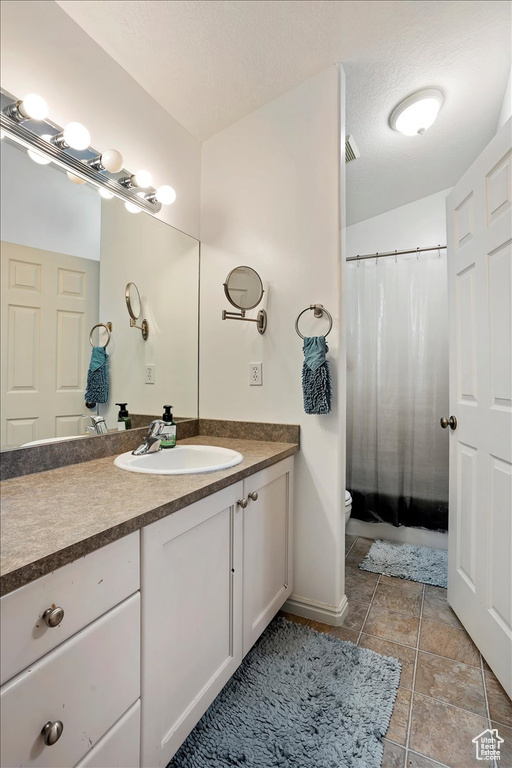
[415, 114]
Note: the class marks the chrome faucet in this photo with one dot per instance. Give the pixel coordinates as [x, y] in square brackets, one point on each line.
[98, 426]
[153, 439]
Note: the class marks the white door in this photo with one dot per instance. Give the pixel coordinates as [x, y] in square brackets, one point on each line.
[479, 221]
[50, 303]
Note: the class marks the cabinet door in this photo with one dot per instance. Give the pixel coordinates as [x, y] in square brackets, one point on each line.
[191, 614]
[267, 547]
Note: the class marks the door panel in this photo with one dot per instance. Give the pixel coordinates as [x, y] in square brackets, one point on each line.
[479, 223]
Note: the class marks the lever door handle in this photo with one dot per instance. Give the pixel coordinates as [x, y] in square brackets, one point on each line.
[451, 422]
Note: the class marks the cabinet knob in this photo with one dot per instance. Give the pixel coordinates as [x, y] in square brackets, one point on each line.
[253, 496]
[52, 617]
[242, 503]
[52, 732]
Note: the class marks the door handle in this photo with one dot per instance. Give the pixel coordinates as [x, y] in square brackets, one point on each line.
[451, 422]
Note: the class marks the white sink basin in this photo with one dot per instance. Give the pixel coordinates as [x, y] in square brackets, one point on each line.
[181, 460]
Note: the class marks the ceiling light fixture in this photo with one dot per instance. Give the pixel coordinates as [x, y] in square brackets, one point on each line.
[415, 114]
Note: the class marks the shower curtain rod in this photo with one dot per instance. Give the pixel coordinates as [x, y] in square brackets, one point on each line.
[395, 253]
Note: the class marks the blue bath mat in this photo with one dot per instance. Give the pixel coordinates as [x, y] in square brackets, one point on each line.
[300, 699]
[406, 561]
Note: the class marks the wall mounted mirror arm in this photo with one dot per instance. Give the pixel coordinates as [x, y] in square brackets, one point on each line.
[244, 290]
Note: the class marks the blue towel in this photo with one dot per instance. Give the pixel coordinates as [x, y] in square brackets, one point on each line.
[316, 376]
[97, 377]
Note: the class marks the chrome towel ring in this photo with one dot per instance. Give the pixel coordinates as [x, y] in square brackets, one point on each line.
[318, 311]
[107, 327]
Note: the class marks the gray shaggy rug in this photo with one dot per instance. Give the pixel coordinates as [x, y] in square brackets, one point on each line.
[300, 699]
[405, 561]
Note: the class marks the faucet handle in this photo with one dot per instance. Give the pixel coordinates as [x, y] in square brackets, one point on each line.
[155, 427]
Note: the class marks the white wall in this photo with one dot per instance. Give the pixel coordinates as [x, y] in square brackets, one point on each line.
[419, 224]
[506, 108]
[270, 199]
[39, 207]
[45, 52]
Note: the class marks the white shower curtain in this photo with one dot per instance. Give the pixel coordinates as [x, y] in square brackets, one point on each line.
[397, 390]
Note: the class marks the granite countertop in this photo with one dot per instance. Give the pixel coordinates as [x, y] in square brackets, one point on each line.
[51, 518]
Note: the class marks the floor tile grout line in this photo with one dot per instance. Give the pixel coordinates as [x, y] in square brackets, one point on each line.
[368, 611]
[449, 704]
[409, 723]
[351, 546]
[435, 762]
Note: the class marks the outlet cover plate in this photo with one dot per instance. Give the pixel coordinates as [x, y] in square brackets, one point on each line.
[255, 374]
[149, 374]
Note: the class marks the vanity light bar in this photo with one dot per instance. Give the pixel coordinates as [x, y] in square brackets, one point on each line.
[87, 164]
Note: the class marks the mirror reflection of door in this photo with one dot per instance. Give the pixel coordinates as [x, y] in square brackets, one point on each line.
[50, 302]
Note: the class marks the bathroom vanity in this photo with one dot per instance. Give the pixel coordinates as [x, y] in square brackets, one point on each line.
[168, 583]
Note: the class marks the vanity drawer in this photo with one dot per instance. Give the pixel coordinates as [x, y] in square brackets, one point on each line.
[120, 747]
[84, 589]
[87, 684]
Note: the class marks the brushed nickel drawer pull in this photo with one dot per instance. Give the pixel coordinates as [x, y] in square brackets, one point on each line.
[53, 616]
[52, 732]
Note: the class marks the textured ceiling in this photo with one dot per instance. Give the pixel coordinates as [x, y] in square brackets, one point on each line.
[210, 62]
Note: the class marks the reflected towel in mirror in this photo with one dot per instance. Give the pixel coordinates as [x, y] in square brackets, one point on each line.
[97, 377]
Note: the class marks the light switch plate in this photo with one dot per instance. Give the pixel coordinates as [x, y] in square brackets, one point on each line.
[255, 374]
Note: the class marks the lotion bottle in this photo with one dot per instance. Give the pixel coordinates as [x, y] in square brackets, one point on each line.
[123, 419]
[169, 440]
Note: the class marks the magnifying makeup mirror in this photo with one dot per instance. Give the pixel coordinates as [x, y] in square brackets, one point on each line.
[134, 306]
[244, 290]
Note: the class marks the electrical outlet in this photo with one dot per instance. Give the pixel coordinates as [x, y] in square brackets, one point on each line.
[255, 374]
[150, 374]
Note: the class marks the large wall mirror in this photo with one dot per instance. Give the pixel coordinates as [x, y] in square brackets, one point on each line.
[67, 255]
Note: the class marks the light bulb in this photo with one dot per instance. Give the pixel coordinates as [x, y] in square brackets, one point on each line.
[165, 195]
[38, 157]
[112, 160]
[106, 194]
[33, 107]
[74, 179]
[77, 136]
[132, 208]
[142, 179]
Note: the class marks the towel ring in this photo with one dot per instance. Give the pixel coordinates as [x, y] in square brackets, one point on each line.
[318, 311]
[107, 327]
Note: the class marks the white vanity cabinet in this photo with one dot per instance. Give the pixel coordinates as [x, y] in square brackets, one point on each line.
[191, 585]
[82, 675]
[268, 547]
[213, 576]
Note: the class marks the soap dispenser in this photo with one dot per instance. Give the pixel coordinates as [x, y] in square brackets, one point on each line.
[123, 419]
[169, 430]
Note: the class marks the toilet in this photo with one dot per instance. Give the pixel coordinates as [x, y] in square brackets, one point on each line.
[348, 506]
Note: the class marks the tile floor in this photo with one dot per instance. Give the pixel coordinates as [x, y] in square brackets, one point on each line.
[447, 694]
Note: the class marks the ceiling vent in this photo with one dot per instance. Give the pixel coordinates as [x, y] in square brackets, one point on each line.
[351, 150]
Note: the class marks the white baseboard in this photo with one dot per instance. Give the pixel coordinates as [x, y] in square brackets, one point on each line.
[418, 536]
[312, 609]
